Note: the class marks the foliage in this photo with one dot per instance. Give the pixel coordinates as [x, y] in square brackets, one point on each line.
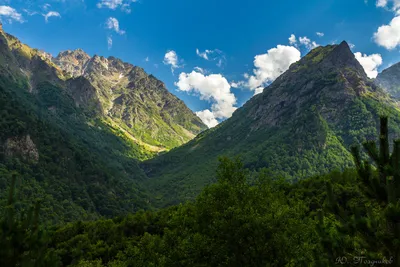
[84, 171]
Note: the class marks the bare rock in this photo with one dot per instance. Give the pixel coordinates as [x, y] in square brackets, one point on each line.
[22, 147]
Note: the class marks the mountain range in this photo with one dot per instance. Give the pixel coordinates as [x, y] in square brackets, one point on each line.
[96, 136]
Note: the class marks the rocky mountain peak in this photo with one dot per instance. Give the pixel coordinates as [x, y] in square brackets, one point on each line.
[72, 61]
[77, 53]
[328, 77]
[342, 56]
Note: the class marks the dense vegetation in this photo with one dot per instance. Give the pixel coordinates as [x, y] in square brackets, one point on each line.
[245, 219]
[83, 171]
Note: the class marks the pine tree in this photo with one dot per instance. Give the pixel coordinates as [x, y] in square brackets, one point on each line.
[380, 181]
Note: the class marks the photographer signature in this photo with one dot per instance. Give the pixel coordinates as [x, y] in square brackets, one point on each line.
[363, 260]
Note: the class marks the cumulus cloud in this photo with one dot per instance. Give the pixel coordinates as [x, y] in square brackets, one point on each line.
[208, 118]
[213, 88]
[391, 4]
[292, 39]
[320, 34]
[370, 63]
[109, 42]
[271, 65]
[10, 14]
[304, 41]
[308, 43]
[171, 58]
[381, 3]
[239, 83]
[125, 5]
[214, 55]
[388, 36]
[51, 14]
[113, 24]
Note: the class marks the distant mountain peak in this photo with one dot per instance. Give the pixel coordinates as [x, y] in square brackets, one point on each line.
[117, 91]
[389, 79]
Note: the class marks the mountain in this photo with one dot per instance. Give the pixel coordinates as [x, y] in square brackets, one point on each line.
[134, 101]
[301, 125]
[389, 79]
[70, 145]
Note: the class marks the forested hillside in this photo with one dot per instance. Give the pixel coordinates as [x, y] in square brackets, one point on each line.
[245, 219]
[79, 169]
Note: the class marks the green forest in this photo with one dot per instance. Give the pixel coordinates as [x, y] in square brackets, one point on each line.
[244, 219]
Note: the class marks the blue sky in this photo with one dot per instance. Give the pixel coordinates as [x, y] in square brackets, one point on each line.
[168, 32]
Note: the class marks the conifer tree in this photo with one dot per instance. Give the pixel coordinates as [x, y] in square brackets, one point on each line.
[380, 181]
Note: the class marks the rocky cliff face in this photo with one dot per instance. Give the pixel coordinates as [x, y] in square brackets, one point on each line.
[22, 147]
[136, 101]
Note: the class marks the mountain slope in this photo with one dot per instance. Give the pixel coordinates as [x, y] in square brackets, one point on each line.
[57, 138]
[301, 125]
[62, 152]
[389, 79]
[138, 103]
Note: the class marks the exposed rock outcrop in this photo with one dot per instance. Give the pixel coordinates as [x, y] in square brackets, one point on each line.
[22, 147]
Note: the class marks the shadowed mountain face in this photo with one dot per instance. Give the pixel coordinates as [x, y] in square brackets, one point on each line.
[389, 79]
[302, 124]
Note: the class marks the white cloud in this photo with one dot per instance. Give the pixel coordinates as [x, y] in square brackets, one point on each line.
[198, 69]
[292, 39]
[388, 36]
[111, 4]
[46, 6]
[352, 45]
[304, 41]
[114, 4]
[171, 58]
[203, 54]
[208, 118]
[10, 14]
[30, 13]
[370, 63]
[213, 88]
[391, 4]
[271, 65]
[51, 14]
[238, 84]
[320, 34]
[308, 43]
[147, 59]
[109, 42]
[214, 55]
[113, 24]
[381, 3]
